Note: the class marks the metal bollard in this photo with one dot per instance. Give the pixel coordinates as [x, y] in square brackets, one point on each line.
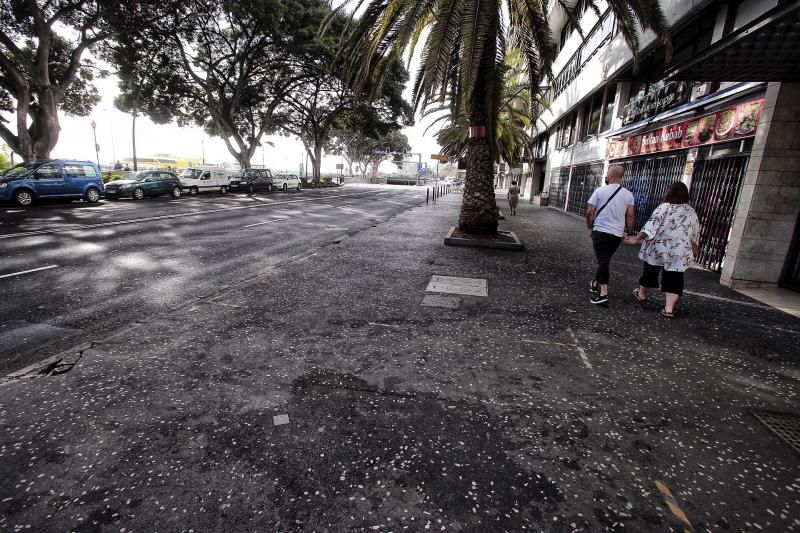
[427, 195]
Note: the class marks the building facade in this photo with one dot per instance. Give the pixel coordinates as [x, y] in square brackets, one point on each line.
[728, 126]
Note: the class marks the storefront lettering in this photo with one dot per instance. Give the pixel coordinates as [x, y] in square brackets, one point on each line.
[729, 124]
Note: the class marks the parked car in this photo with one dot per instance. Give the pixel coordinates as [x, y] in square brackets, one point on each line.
[286, 182]
[137, 185]
[53, 178]
[251, 180]
[198, 179]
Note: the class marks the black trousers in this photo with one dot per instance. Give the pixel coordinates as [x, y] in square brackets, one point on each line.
[605, 245]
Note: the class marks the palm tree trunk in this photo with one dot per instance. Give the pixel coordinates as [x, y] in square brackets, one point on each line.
[479, 213]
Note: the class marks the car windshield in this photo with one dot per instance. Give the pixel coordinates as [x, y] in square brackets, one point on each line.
[19, 170]
[191, 173]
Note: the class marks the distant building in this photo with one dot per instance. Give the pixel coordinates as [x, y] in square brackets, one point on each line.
[723, 116]
[162, 161]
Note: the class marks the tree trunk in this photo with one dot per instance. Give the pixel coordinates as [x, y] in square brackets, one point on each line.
[317, 162]
[479, 213]
[45, 126]
[133, 141]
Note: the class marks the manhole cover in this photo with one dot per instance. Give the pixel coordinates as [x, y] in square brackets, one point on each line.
[448, 302]
[785, 425]
[463, 286]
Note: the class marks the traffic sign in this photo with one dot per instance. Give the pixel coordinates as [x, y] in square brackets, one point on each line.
[439, 157]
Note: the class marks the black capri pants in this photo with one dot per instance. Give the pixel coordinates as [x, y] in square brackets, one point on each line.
[671, 282]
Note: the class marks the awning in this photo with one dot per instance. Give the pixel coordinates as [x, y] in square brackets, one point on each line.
[766, 49]
[703, 101]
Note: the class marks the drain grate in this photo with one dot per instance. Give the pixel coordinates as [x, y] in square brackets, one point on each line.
[785, 425]
[435, 300]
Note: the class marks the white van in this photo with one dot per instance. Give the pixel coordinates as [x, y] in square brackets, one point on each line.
[198, 179]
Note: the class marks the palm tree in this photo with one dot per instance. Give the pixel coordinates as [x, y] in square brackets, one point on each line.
[515, 117]
[463, 59]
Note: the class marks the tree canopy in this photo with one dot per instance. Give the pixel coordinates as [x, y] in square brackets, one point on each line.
[42, 71]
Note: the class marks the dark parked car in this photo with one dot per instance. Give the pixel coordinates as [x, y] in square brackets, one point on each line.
[145, 183]
[52, 178]
[251, 180]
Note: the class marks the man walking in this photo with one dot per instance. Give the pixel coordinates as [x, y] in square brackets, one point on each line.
[608, 217]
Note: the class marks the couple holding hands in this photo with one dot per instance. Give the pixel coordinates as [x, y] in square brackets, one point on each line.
[668, 240]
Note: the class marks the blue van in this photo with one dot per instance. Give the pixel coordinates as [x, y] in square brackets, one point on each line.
[52, 178]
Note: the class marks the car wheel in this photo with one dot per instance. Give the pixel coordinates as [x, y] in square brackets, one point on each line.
[23, 197]
[194, 191]
[298, 186]
[92, 195]
[176, 192]
[285, 187]
[269, 187]
[251, 188]
[223, 190]
[138, 193]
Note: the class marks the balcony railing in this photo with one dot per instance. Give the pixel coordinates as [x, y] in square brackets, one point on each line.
[600, 33]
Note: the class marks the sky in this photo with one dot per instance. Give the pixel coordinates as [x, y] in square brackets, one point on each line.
[114, 137]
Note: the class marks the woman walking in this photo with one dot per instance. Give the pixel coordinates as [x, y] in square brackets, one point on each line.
[669, 245]
[513, 197]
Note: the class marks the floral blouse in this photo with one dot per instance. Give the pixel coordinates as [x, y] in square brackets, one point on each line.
[670, 232]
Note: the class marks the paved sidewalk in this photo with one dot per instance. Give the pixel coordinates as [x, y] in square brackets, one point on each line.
[525, 409]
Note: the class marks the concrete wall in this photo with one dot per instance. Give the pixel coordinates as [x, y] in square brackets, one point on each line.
[769, 204]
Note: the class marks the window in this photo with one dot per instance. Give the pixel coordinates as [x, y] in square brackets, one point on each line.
[608, 108]
[591, 114]
[48, 171]
[79, 171]
[572, 126]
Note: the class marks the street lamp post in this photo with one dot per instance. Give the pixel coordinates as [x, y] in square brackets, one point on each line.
[96, 146]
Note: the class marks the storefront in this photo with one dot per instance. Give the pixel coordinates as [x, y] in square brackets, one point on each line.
[764, 238]
[709, 152]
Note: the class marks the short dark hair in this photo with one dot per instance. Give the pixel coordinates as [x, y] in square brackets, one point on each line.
[513, 183]
[677, 193]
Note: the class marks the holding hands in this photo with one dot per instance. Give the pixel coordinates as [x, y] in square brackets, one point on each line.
[634, 239]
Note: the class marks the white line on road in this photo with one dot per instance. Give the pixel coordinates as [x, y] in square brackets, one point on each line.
[176, 215]
[580, 349]
[48, 267]
[262, 223]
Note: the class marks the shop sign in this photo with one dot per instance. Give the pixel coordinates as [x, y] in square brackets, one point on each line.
[737, 122]
[662, 96]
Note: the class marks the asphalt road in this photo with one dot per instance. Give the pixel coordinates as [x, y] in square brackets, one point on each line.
[71, 272]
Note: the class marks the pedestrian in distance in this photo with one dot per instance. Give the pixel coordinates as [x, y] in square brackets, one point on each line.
[609, 216]
[513, 197]
[669, 245]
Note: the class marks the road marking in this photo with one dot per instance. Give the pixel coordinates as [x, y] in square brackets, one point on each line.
[729, 300]
[28, 271]
[672, 503]
[550, 343]
[262, 223]
[176, 215]
[580, 349]
[383, 325]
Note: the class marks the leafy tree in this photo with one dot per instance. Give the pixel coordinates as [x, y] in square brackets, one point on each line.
[462, 57]
[366, 151]
[5, 161]
[315, 107]
[42, 71]
[229, 67]
[144, 89]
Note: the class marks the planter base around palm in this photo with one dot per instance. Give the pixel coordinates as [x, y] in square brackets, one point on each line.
[503, 240]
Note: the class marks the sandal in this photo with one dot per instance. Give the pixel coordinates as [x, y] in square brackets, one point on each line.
[638, 298]
[668, 315]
